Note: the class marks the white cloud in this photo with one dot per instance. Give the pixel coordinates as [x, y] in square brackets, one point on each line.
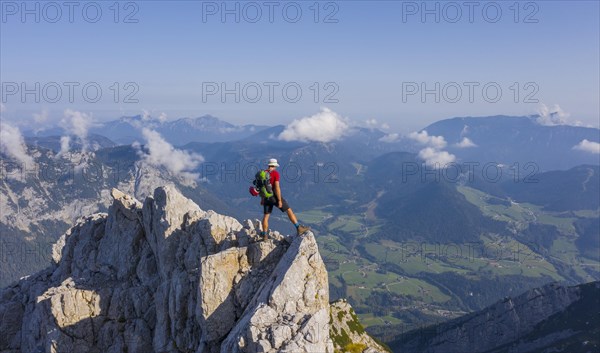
[393, 137]
[78, 124]
[551, 115]
[324, 126]
[436, 158]
[64, 145]
[162, 153]
[2, 108]
[465, 143]
[226, 130]
[374, 124]
[588, 146]
[162, 117]
[12, 144]
[433, 154]
[147, 120]
[424, 138]
[146, 115]
[40, 118]
[371, 123]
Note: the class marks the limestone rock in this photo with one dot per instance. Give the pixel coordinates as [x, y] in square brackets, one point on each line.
[294, 296]
[166, 276]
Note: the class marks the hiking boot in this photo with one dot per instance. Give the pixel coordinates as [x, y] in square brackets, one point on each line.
[303, 229]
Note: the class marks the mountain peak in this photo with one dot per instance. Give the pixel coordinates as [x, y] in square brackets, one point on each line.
[205, 122]
[164, 275]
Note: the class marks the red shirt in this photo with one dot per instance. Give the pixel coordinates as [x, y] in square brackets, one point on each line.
[274, 177]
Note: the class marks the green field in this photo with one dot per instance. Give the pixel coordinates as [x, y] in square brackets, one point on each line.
[315, 216]
[563, 250]
[559, 220]
[511, 213]
[418, 289]
[410, 257]
[587, 213]
[521, 213]
[371, 320]
[349, 224]
[330, 245]
[506, 257]
[361, 281]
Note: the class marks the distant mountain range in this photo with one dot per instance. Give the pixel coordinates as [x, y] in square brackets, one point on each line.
[127, 130]
[53, 142]
[517, 142]
[509, 140]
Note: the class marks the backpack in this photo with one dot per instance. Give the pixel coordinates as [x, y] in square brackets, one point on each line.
[262, 181]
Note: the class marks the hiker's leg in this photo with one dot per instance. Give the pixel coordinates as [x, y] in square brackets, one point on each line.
[265, 222]
[285, 207]
[292, 216]
[299, 228]
[267, 209]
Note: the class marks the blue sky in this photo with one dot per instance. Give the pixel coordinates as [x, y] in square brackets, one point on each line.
[367, 60]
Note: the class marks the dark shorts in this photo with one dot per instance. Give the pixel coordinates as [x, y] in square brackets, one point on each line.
[269, 203]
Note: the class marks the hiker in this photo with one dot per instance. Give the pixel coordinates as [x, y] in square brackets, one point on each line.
[276, 200]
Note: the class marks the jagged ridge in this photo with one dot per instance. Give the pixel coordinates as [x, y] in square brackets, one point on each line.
[167, 276]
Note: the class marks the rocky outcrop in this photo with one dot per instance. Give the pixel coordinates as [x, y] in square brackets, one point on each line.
[290, 312]
[347, 333]
[167, 276]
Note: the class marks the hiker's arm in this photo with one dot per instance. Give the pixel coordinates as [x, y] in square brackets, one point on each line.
[278, 191]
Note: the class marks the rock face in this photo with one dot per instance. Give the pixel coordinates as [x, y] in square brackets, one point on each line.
[167, 276]
[552, 318]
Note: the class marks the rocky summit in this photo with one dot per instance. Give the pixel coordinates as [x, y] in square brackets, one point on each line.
[166, 276]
